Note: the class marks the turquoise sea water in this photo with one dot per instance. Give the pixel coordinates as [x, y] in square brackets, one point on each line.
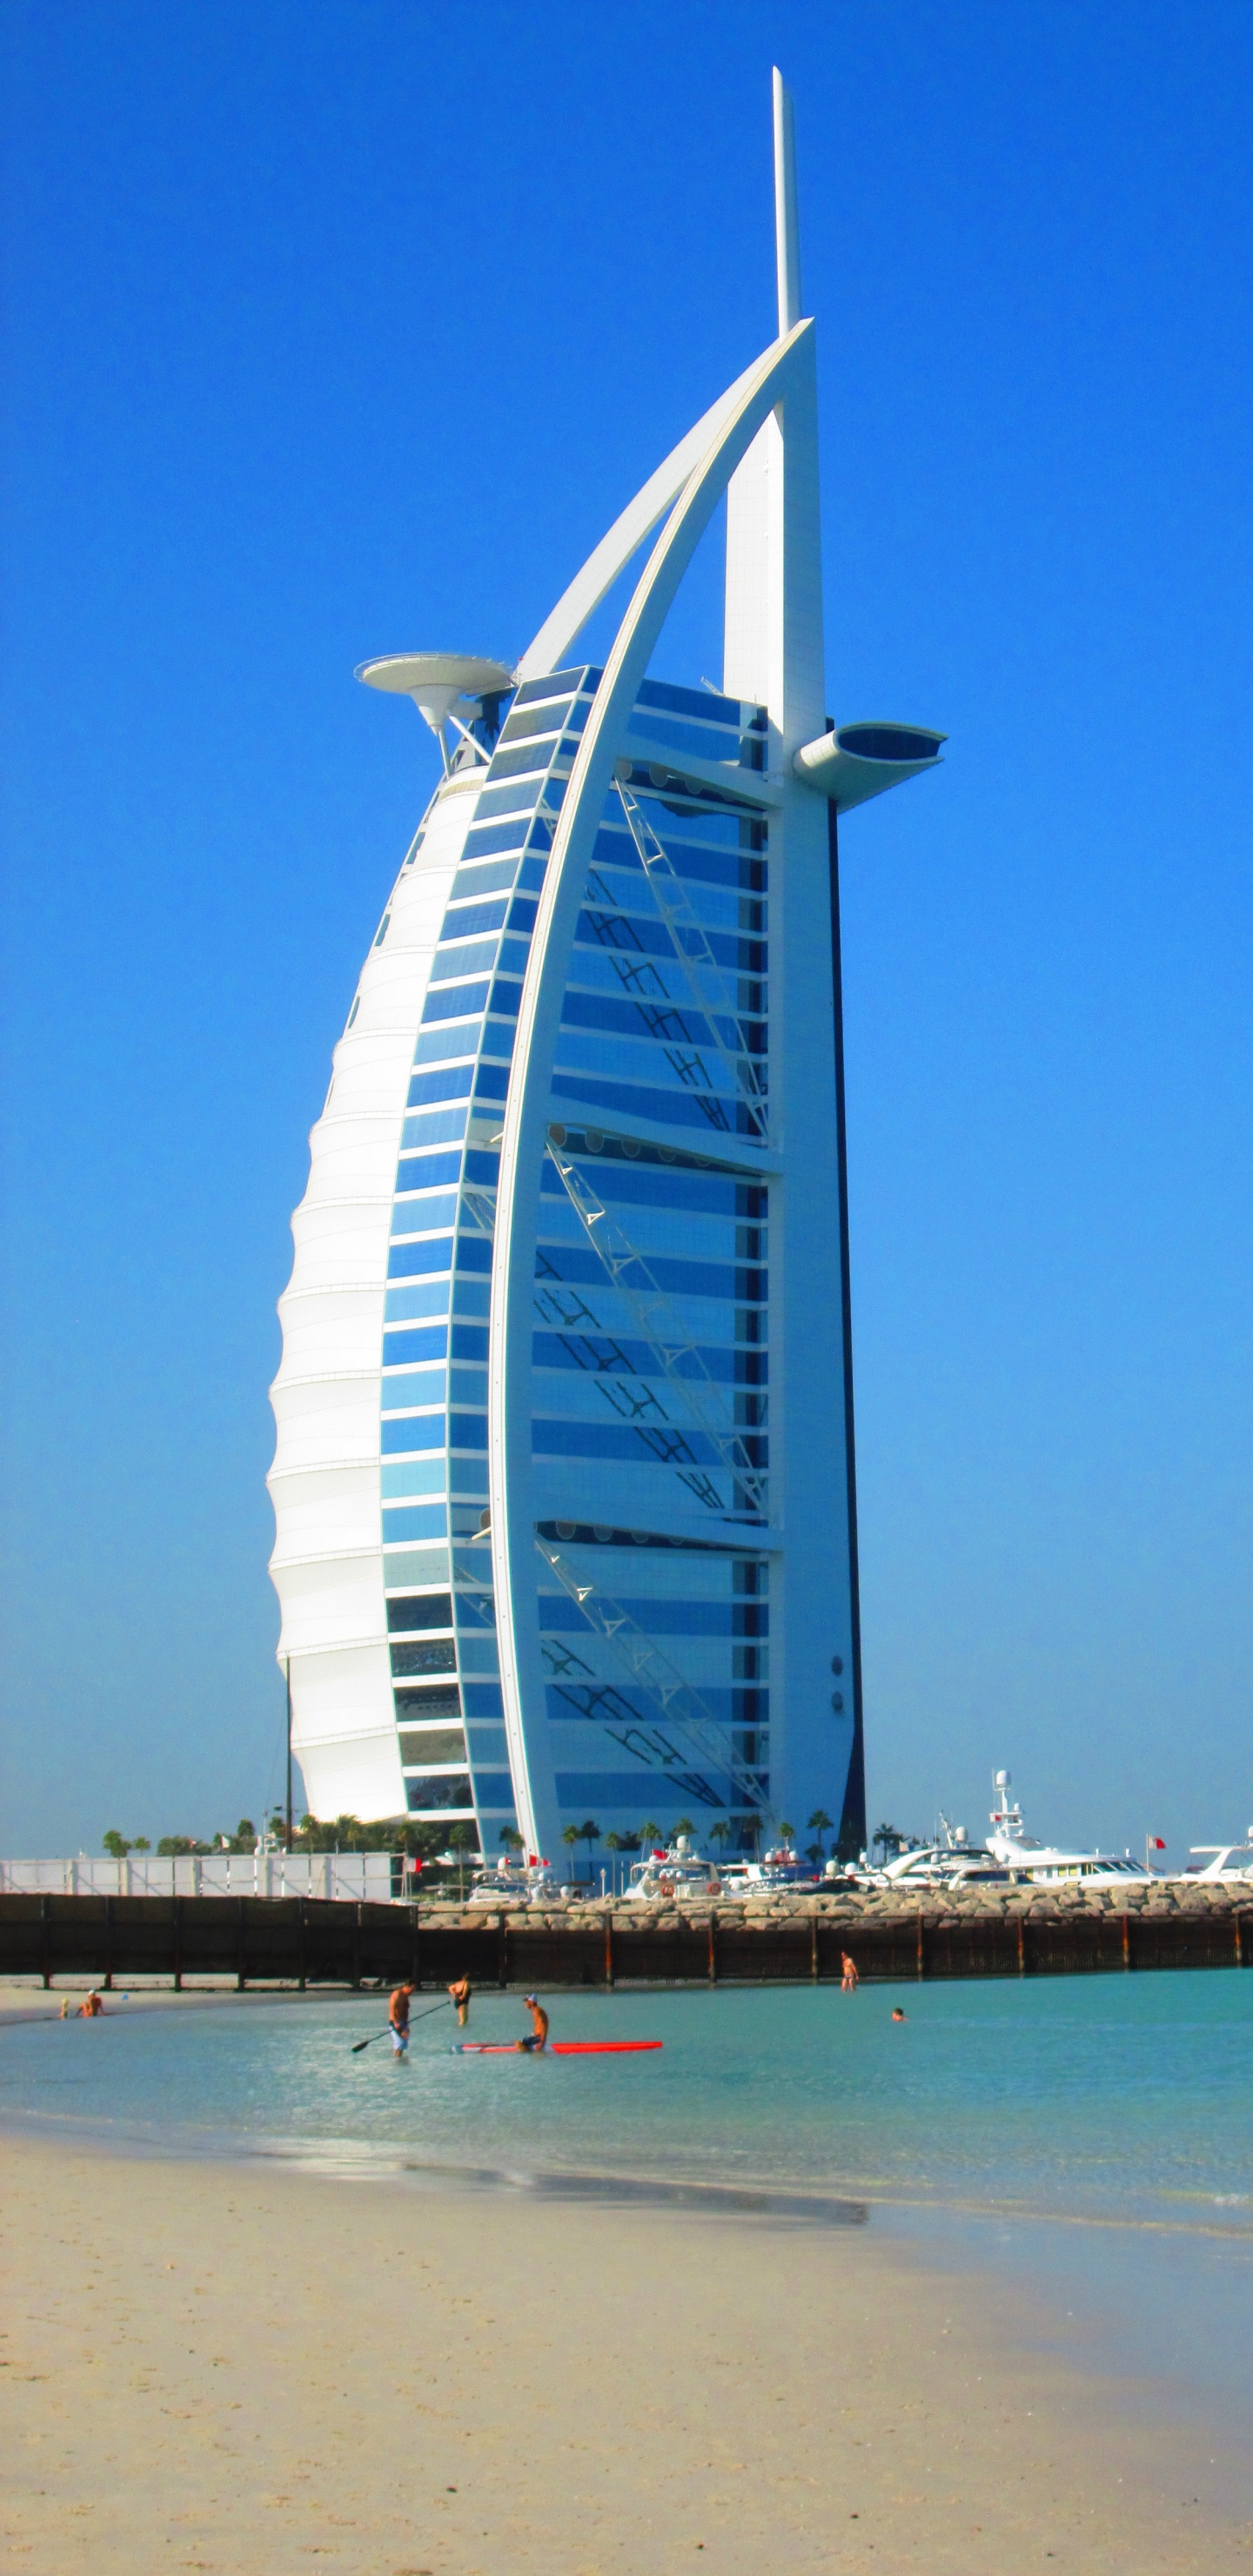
[1103, 2098]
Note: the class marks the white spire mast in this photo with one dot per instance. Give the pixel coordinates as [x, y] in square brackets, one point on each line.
[787, 231]
[772, 650]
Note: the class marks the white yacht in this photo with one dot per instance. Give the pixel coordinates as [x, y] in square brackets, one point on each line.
[510, 1882]
[678, 1871]
[1212, 1862]
[1044, 1864]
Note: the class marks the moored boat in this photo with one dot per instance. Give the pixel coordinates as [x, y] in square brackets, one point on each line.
[1048, 1864]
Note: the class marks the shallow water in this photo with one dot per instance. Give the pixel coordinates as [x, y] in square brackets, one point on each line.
[1102, 2098]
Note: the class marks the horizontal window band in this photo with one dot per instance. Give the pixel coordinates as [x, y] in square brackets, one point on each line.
[518, 798]
[640, 934]
[549, 717]
[599, 1534]
[433, 1746]
[436, 1699]
[454, 965]
[424, 1520]
[639, 1792]
[576, 1265]
[401, 1433]
[426, 1088]
[426, 1213]
[473, 920]
[559, 1616]
[452, 1002]
[421, 1610]
[427, 1171]
[707, 1111]
[660, 1023]
[655, 1443]
[439, 1793]
[620, 1704]
[581, 681]
[625, 1180]
[412, 1260]
[484, 842]
[417, 1342]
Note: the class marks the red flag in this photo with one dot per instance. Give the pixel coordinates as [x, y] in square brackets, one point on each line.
[1155, 1842]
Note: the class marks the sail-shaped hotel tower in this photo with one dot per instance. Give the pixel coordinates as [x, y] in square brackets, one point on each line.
[564, 1478]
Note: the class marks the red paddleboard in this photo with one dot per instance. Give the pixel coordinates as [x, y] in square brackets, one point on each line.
[555, 2048]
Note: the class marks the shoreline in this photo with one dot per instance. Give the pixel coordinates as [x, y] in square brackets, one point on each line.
[230, 2364]
[849, 2200]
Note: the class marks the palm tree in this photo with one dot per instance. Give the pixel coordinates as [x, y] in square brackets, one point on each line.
[820, 1823]
[718, 1833]
[684, 1826]
[786, 1831]
[589, 1833]
[462, 1839]
[570, 1836]
[614, 1843]
[650, 1834]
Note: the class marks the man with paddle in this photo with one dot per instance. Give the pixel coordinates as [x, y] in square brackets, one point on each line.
[398, 2019]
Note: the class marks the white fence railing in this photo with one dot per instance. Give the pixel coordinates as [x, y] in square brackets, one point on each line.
[352, 1877]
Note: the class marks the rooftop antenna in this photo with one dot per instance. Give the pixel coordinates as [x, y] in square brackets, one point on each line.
[787, 231]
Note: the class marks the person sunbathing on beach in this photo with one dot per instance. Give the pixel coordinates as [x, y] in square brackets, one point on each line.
[398, 2018]
[90, 2007]
[540, 2018]
[460, 1994]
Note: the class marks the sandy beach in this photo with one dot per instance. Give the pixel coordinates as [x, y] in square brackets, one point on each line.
[249, 2367]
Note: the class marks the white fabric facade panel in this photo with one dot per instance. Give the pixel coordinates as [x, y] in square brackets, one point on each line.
[324, 1483]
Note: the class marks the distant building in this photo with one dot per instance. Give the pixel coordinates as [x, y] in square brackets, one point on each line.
[564, 1480]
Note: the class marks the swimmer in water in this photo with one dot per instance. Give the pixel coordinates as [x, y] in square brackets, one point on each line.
[897, 2014]
[539, 2035]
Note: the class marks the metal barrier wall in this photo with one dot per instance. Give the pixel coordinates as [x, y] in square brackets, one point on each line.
[313, 1942]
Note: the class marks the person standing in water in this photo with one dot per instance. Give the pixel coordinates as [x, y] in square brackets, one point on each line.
[539, 2035]
[460, 1994]
[848, 1981]
[398, 2019]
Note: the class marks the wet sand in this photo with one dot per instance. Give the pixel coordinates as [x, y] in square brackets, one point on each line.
[248, 2367]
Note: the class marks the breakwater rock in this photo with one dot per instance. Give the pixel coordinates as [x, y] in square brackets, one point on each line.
[855, 1908]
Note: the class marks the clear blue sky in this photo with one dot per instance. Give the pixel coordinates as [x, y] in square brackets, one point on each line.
[342, 330]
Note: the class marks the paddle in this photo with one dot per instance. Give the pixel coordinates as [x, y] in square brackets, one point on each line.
[359, 2044]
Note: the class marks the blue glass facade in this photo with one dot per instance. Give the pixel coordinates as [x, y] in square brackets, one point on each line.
[651, 1295]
